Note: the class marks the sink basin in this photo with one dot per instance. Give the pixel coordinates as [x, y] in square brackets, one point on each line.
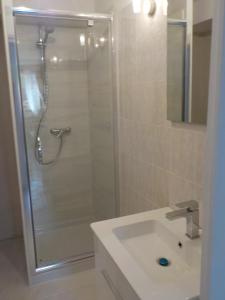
[134, 246]
[149, 241]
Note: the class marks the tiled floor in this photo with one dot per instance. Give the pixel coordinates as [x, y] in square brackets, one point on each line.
[13, 285]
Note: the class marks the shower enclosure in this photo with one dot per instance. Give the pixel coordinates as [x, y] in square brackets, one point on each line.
[66, 120]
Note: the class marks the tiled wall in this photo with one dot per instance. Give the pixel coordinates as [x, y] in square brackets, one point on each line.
[161, 163]
[61, 192]
[203, 10]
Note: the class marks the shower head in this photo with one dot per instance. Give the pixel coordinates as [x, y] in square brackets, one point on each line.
[43, 35]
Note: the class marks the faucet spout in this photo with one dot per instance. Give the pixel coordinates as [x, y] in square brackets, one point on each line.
[177, 214]
[190, 211]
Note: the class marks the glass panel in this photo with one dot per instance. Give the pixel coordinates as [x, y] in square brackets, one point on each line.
[101, 119]
[67, 105]
[176, 47]
[189, 51]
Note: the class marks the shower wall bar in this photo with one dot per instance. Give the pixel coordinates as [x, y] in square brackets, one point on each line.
[56, 14]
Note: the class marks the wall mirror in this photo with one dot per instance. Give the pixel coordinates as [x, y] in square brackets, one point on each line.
[188, 63]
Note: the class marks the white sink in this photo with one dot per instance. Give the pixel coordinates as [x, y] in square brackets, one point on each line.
[136, 243]
[149, 241]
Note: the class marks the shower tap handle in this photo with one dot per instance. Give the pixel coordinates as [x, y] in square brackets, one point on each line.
[60, 132]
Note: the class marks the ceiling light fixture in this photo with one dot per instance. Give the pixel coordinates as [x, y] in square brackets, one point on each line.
[149, 7]
[146, 7]
[165, 7]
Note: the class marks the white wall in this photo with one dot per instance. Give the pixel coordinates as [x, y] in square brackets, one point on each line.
[161, 163]
[102, 6]
[203, 10]
[75, 5]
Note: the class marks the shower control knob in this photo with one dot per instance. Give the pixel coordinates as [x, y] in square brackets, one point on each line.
[60, 132]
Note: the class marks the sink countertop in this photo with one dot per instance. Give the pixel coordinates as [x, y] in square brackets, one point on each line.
[142, 283]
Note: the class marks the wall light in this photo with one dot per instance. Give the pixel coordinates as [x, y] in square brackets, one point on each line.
[165, 7]
[149, 7]
[146, 7]
[137, 6]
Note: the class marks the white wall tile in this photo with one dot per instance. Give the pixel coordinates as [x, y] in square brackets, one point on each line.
[161, 163]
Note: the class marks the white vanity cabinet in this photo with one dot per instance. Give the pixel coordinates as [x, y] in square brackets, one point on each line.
[108, 271]
[131, 251]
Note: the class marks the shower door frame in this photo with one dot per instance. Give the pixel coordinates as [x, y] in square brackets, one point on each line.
[35, 273]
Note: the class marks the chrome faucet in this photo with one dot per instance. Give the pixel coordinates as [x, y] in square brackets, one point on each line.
[190, 211]
[60, 132]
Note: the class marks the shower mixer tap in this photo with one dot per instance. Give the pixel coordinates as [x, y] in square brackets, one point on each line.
[60, 132]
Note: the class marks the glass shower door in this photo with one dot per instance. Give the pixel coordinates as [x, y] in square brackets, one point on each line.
[68, 123]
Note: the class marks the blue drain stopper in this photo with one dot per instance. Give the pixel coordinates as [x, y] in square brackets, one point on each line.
[164, 262]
